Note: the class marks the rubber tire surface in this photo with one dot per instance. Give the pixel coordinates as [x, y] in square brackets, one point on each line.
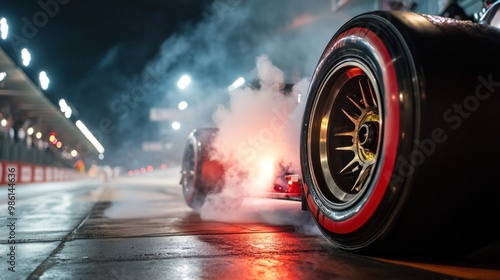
[207, 174]
[433, 189]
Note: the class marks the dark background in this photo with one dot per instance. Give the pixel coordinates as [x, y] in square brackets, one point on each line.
[112, 61]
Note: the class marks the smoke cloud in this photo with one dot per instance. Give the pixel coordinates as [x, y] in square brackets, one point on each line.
[256, 132]
[275, 42]
[258, 140]
[214, 52]
[259, 128]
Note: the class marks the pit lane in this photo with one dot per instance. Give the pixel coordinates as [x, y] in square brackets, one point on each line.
[140, 228]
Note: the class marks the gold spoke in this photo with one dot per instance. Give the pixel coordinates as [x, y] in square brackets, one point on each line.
[353, 120]
[371, 93]
[346, 148]
[349, 133]
[355, 104]
[353, 161]
[363, 94]
[361, 178]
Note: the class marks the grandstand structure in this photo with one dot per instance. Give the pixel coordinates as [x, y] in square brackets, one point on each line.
[35, 135]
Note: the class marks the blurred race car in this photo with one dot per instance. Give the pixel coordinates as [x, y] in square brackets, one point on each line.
[398, 138]
[203, 175]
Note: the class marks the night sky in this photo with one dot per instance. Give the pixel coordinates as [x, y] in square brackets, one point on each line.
[88, 47]
[114, 60]
[80, 34]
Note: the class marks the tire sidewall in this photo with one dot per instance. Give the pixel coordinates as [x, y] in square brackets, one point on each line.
[190, 196]
[200, 142]
[371, 214]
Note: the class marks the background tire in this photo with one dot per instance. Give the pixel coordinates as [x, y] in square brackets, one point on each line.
[199, 174]
[398, 134]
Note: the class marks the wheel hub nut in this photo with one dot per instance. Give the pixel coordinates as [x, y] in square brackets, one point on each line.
[367, 135]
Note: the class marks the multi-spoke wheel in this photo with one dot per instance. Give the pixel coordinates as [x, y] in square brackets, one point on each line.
[393, 150]
[200, 174]
[350, 117]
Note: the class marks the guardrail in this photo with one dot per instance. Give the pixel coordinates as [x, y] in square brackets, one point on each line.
[26, 173]
[30, 164]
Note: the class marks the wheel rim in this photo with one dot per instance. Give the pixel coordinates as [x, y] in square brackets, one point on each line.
[346, 132]
[188, 173]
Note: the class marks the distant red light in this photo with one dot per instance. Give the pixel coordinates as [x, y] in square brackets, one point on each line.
[137, 171]
[143, 170]
[163, 166]
[150, 168]
[130, 173]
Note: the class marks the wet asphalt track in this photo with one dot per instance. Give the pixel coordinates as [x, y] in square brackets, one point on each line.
[140, 228]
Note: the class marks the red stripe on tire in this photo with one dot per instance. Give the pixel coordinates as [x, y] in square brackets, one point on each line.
[391, 135]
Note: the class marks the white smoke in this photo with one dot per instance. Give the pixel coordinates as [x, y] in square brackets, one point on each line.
[259, 129]
[254, 132]
[259, 136]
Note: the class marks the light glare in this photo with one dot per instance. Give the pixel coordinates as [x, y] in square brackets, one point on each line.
[176, 125]
[2, 76]
[65, 108]
[63, 104]
[3, 122]
[90, 137]
[44, 80]
[238, 83]
[30, 131]
[182, 105]
[4, 28]
[68, 112]
[74, 153]
[184, 81]
[38, 135]
[26, 57]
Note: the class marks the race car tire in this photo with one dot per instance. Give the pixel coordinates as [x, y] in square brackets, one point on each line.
[200, 175]
[397, 142]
